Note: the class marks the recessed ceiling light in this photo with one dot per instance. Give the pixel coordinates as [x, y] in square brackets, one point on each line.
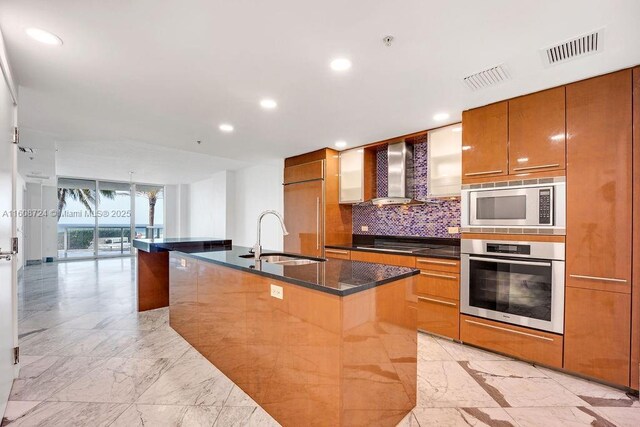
[456, 129]
[341, 144]
[440, 117]
[340, 64]
[268, 104]
[226, 127]
[43, 36]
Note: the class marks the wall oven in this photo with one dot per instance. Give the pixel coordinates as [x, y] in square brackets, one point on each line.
[521, 283]
[535, 206]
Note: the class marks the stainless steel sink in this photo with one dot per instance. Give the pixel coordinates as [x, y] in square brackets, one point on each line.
[283, 259]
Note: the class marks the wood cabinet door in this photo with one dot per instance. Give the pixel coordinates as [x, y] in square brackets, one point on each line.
[183, 296]
[439, 316]
[599, 183]
[303, 216]
[484, 141]
[537, 132]
[389, 259]
[597, 334]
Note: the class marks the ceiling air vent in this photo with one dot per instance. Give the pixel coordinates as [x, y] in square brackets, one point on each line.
[486, 78]
[577, 47]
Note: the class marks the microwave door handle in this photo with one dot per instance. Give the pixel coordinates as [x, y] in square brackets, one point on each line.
[509, 261]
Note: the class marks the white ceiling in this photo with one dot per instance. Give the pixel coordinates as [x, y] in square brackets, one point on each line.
[160, 73]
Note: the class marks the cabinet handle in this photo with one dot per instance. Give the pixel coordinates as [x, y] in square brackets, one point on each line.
[540, 337]
[508, 261]
[482, 173]
[604, 279]
[317, 223]
[437, 301]
[444, 276]
[334, 251]
[526, 168]
[428, 261]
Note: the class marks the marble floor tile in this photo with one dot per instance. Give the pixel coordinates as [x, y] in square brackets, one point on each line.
[102, 343]
[519, 384]
[409, 421]
[92, 320]
[191, 380]
[70, 414]
[42, 378]
[237, 397]
[558, 417]
[167, 416]
[17, 408]
[591, 392]
[620, 417]
[51, 340]
[446, 384]
[164, 343]
[429, 349]
[118, 380]
[454, 417]
[250, 416]
[146, 321]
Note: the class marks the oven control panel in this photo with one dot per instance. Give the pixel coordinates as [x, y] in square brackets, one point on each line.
[504, 248]
[545, 206]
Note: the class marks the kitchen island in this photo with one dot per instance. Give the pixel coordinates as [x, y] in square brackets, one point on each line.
[328, 343]
[152, 276]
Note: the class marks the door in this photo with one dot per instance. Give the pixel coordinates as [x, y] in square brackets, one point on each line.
[537, 132]
[484, 142]
[303, 207]
[7, 266]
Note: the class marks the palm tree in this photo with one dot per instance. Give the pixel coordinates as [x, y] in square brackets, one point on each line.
[153, 196]
[82, 195]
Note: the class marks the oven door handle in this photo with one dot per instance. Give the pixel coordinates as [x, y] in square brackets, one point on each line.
[508, 261]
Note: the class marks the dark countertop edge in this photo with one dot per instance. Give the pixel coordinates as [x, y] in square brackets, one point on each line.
[147, 245]
[302, 283]
[353, 248]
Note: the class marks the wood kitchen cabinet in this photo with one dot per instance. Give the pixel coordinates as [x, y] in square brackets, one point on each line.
[438, 291]
[635, 274]
[484, 142]
[183, 296]
[312, 213]
[599, 227]
[537, 132]
[389, 259]
[439, 316]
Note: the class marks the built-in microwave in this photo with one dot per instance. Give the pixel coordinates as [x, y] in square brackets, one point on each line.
[534, 206]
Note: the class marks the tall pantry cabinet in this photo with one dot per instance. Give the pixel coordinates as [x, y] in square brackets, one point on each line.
[312, 213]
[599, 227]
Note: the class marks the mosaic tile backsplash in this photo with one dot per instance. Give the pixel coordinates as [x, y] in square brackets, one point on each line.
[428, 220]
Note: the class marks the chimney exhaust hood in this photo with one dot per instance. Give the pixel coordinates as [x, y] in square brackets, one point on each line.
[401, 180]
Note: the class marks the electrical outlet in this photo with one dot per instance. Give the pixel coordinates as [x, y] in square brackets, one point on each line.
[453, 230]
[364, 228]
[183, 263]
[277, 291]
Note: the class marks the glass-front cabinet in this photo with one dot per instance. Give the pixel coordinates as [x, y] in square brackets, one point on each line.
[445, 162]
[352, 176]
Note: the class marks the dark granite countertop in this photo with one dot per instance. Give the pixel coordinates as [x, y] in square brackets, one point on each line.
[337, 277]
[408, 246]
[182, 244]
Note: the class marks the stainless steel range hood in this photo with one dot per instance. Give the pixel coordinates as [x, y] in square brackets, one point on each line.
[401, 181]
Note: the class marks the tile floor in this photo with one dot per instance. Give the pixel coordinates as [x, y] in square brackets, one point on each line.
[89, 360]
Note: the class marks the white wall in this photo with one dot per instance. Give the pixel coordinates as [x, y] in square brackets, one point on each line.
[20, 223]
[210, 213]
[171, 211]
[33, 224]
[49, 222]
[258, 188]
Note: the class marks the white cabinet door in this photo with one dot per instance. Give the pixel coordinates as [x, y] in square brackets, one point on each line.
[352, 176]
[445, 162]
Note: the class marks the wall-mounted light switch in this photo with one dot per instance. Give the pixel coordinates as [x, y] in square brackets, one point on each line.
[364, 228]
[277, 291]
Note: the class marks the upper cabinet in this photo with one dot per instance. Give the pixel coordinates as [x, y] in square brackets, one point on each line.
[357, 175]
[445, 156]
[484, 141]
[537, 132]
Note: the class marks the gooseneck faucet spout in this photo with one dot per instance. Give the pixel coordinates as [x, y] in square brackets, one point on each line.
[257, 248]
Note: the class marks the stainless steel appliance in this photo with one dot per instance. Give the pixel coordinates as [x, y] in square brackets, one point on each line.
[539, 205]
[521, 283]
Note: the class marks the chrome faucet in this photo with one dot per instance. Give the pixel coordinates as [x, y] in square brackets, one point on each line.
[257, 248]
